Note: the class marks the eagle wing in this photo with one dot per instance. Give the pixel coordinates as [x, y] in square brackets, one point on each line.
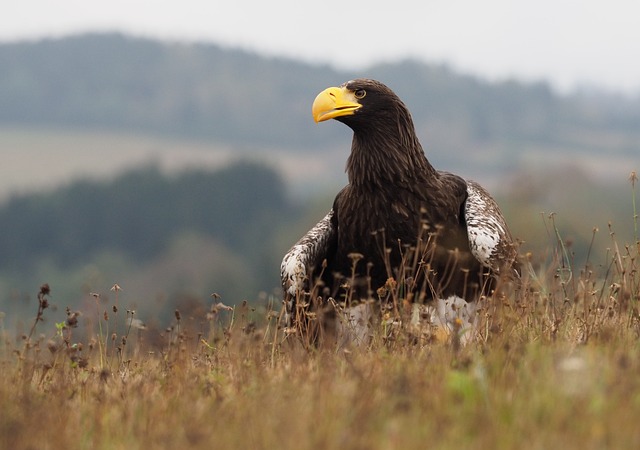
[489, 238]
[308, 254]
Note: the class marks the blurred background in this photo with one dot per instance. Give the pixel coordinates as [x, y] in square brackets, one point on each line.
[170, 149]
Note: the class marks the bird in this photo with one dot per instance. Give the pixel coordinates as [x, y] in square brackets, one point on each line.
[398, 223]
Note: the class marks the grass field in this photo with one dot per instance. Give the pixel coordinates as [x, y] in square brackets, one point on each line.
[555, 364]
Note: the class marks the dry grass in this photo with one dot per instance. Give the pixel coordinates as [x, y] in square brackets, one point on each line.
[554, 365]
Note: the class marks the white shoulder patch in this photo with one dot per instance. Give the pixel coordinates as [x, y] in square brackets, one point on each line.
[489, 237]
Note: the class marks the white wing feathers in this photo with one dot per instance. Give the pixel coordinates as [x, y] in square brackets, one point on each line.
[308, 253]
[489, 238]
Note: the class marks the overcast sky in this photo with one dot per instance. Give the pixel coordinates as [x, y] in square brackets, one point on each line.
[567, 42]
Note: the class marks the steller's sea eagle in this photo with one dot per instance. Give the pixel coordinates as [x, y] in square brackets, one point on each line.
[438, 236]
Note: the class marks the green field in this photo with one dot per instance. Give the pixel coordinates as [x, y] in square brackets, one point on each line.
[38, 158]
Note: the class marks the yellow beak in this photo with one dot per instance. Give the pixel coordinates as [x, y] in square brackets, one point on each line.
[334, 102]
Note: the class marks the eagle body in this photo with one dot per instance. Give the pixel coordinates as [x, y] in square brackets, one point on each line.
[382, 230]
[398, 218]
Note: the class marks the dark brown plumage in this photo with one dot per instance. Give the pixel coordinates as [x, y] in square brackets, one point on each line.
[397, 204]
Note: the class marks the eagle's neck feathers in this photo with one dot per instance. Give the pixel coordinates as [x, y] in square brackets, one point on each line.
[388, 153]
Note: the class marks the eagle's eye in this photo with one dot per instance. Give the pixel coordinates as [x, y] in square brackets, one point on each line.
[360, 93]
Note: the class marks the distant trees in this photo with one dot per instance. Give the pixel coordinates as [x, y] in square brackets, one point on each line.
[139, 212]
[124, 83]
[118, 82]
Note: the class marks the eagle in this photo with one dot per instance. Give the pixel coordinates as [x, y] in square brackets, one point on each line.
[398, 224]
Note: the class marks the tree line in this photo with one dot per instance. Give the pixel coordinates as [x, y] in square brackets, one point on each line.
[138, 213]
[203, 90]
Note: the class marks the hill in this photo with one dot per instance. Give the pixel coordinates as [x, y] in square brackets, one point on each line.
[204, 91]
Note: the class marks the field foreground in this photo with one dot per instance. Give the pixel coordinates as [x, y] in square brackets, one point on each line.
[554, 365]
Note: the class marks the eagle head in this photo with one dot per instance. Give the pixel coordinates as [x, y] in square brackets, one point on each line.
[357, 102]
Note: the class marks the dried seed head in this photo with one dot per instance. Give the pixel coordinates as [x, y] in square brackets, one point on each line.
[72, 319]
[390, 284]
[45, 289]
[355, 257]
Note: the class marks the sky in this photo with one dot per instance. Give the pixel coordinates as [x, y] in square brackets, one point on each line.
[569, 43]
